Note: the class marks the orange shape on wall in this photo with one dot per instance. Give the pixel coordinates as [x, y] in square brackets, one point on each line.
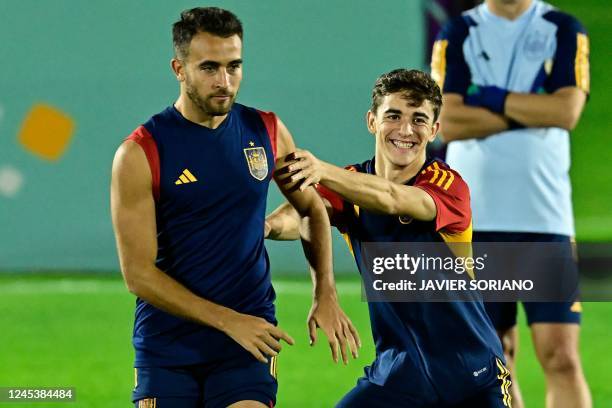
[46, 132]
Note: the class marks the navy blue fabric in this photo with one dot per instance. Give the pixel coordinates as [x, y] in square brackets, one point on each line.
[424, 351]
[368, 395]
[211, 385]
[457, 79]
[503, 314]
[563, 72]
[209, 232]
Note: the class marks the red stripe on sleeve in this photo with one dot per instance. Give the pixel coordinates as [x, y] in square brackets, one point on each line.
[144, 139]
[451, 195]
[269, 119]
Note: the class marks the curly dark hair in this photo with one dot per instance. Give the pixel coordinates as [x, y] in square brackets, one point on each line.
[213, 20]
[417, 85]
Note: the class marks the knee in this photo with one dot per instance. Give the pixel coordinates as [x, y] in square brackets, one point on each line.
[561, 361]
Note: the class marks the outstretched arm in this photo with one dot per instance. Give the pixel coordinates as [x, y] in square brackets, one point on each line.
[316, 241]
[133, 213]
[365, 190]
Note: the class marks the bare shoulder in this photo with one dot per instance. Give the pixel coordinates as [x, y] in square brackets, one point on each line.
[285, 143]
[131, 172]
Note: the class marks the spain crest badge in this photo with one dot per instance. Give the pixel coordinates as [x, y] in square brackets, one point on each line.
[257, 161]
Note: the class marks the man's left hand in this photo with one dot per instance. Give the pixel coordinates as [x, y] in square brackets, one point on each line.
[340, 331]
[305, 168]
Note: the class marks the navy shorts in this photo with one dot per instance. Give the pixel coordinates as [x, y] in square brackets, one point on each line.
[206, 386]
[503, 314]
[369, 395]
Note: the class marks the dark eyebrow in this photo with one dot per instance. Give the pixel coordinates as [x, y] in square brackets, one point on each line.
[207, 63]
[421, 115]
[235, 62]
[394, 111]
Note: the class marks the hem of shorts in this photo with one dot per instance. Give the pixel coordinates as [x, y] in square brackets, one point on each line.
[527, 229]
[577, 321]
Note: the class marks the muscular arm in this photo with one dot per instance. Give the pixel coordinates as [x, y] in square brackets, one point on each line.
[460, 121]
[316, 238]
[559, 109]
[133, 214]
[315, 231]
[365, 190]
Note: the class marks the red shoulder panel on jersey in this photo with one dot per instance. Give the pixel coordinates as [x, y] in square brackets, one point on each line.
[451, 195]
[334, 199]
[269, 119]
[144, 139]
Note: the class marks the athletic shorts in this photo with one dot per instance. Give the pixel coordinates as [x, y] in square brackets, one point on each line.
[503, 314]
[206, 386]
[369, 395]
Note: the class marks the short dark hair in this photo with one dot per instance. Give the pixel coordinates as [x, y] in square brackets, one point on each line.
[213, 20]
[418, 86]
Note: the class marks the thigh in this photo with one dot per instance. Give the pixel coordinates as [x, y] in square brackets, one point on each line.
[243, 381]
[166, 387]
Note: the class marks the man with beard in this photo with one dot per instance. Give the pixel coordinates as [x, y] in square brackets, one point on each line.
[188, 200]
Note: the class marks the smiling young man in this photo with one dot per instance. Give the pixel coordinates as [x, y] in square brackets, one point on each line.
[188, 199]
[427, 354]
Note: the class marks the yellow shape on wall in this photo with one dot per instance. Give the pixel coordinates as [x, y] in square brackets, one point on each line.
[46, 132]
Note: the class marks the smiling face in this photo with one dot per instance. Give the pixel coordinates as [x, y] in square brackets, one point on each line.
[211, 72]
[402, 129]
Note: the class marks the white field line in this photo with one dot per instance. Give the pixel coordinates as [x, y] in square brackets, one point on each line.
[80, 286]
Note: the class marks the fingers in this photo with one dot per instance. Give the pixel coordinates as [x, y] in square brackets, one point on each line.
[352, 342]
[267, 349]
[278, 333]
[354, 333]
[312, 331]
[343, 344]
[271, 342]
[333, 345]
[310, 181]
[257, 354]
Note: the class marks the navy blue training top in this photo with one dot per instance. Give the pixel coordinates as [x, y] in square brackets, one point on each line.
[431, 352]
[210, 188]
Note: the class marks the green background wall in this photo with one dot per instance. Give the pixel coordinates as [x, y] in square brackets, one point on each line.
[106, 65]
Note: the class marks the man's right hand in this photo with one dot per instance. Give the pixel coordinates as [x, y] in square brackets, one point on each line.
[256, 335]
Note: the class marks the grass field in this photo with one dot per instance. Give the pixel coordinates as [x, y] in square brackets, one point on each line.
[75, 331]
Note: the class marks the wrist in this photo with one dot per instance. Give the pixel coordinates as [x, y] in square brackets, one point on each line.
[325, 292]
[222, 319]
[325, 175]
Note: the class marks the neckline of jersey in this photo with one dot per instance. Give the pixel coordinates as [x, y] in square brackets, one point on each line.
[486, 11]
[201, 128]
